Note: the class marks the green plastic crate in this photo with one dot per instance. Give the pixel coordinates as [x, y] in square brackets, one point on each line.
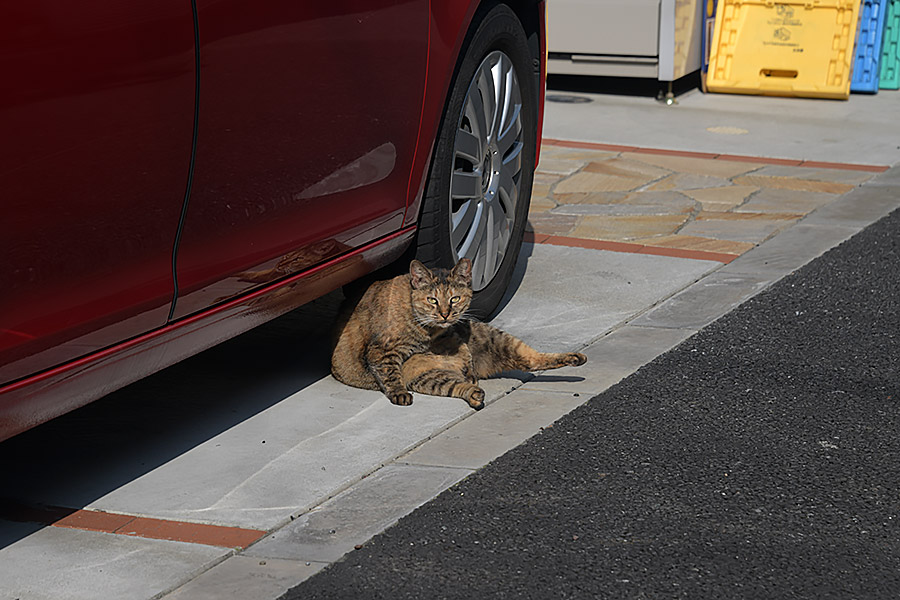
[889, 77]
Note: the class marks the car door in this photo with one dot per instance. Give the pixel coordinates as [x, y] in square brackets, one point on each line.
[96, 121]
[309, 115]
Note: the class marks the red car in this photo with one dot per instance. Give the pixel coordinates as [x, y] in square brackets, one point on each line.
[176, 172]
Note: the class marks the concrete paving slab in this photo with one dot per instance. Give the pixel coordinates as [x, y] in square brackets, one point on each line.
[497, 387]
[695, 166]
[705, 301]
[789, 251]
[889, 177]
[500, 427]
[634, 208]
[610, 359]
[285, 459]
[572, 296]
[722, 199]
[814, 174]
[785, 201]
[797, 182]
[247, 578]
[692, 242]
[859, 207]
[69, 564]
[854, 131]
[627, 227]
[729, 228]
[688, 181]
[356, 515]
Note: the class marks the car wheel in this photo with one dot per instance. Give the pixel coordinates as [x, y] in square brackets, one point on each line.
[479, 187]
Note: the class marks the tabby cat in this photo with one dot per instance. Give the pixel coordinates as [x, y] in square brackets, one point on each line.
[410, 333]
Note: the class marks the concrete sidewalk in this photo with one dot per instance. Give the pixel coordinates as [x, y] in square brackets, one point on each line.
[758, 459]
[244, 470]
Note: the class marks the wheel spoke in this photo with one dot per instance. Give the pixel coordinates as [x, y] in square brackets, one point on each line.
[512, 161]
[475, 241]
[462, 222]
[508, 191]
[478, 268]
[476, 113]
[505, 98]
[488, 89]
[498, 79]
[502, 220]
[510, 135]
[465, 185]
[468, 146]
[490, 240]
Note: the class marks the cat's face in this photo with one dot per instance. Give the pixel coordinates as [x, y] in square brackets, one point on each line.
[440, 297]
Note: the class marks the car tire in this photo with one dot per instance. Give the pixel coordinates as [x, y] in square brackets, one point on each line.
[478, 191]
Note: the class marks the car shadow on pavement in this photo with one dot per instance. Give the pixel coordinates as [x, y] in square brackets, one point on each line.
[517, 276]
[74, 460]
[81, 456]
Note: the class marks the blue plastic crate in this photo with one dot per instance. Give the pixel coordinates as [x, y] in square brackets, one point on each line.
[868, 46]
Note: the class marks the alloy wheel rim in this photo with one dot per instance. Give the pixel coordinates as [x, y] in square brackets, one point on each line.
[487, 168]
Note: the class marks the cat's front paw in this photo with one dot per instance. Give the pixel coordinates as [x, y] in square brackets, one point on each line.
[400, 398]
[476, 399]
[575, 359]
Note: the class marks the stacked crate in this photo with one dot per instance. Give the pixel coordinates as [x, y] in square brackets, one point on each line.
[889, 76]
[868, 46]
[792, 48]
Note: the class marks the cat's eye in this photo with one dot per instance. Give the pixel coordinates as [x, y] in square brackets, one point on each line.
[432, 300]
[454, 299]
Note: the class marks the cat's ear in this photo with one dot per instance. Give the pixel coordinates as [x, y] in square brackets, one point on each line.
[462, 272]
[419, 275]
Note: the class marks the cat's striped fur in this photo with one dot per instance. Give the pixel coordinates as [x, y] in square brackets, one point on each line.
[410, 334]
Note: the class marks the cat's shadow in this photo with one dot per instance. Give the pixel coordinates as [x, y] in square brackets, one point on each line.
[526, 377]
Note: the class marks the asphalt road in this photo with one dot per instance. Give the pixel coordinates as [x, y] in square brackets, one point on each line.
[759, 459]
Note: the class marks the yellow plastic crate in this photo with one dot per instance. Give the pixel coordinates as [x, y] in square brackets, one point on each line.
[785, 48]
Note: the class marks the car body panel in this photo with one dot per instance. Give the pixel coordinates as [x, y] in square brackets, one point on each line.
[444, 45]
[51, 393]
[96, 112]
[97, 158]
[289, 171]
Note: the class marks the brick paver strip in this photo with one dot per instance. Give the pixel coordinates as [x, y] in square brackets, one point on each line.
[787, 162]
[195, 533]
[535, 238]
[559, 240]
[712, 156]
[681, 153]
[94, 520]
[721, 257]
[589, 145]
[132, 525]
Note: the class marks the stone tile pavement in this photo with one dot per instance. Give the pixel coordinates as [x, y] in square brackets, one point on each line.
[686, 201]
